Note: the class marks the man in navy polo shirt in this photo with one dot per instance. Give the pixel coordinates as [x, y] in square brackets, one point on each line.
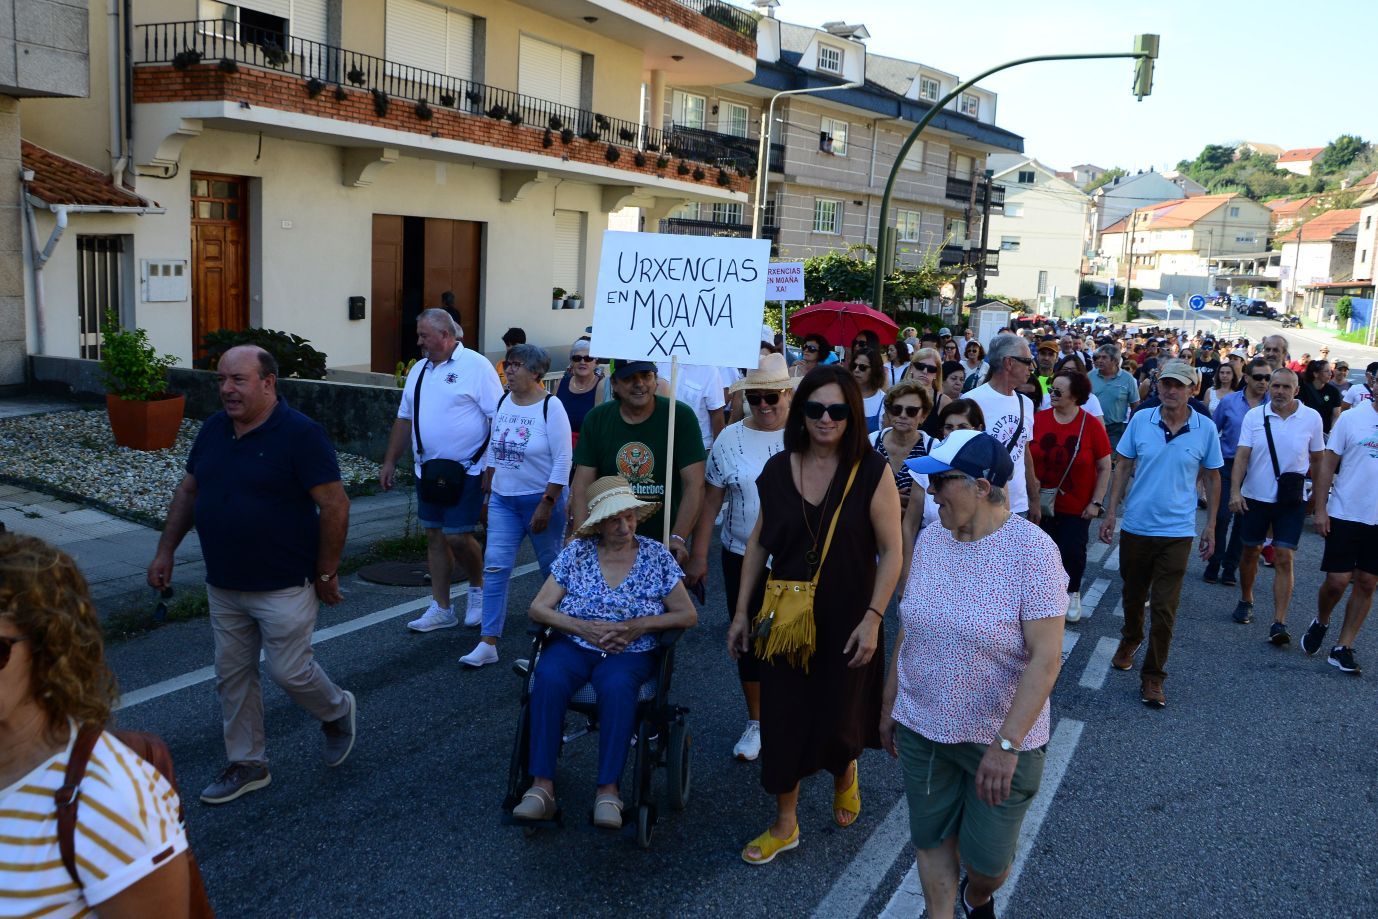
[1166, 450]
[263, 489]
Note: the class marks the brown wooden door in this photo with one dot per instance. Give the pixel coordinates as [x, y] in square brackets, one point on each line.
[387, 293]
[219, 255]
[453, 254]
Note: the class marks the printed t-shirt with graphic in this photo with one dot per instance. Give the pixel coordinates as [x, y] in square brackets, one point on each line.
[964, 651]
[700, 388]
[1054, 446]
[611, 446]
[1295, 437]
[1354, 438]
[127, 828]
[1162, 495]
[590, 597]
[737, 458]
[1357, 394]
[1002, 420]
[530, 446]
[458, 397]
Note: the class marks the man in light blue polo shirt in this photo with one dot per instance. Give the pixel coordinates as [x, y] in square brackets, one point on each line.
[1116, 389]
[1166, 449]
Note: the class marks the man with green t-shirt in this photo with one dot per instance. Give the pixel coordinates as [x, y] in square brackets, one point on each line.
[627, 436]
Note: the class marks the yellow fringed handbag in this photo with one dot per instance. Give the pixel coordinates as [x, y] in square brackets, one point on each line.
[785, 626]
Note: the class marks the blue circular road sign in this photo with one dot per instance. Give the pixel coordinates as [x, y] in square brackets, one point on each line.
[1197, 302]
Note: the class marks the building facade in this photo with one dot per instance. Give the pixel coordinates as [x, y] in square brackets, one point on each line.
[1039, 233]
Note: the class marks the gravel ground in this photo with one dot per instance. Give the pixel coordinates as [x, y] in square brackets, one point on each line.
[73, 454]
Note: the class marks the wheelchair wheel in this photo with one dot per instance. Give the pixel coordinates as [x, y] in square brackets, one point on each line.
[645, 825]
[679, 773]
[518, 779]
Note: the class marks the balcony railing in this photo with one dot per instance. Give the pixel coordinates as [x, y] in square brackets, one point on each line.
[185, 44]
[959, 189]
[956, 256]
[775, 160]
[739, 21]
[684, 226]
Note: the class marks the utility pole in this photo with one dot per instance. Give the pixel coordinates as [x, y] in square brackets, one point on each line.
[985, 236]
[1129, 263]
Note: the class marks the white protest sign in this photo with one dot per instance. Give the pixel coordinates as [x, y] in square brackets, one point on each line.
[785, 281]
[696, 298]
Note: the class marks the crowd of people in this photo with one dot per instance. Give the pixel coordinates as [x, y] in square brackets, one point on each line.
[853, 481]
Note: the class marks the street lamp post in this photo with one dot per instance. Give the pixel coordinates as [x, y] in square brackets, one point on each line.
[1145, 52]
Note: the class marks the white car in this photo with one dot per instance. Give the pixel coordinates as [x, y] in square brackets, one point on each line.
[1095, 320]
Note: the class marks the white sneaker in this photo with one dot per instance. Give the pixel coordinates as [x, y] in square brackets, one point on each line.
[1074, 607]
[749, 747]
[483, 653]
[436, 617]
[473, 615]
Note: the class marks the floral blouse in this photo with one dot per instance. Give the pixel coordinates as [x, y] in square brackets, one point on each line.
[642, 592]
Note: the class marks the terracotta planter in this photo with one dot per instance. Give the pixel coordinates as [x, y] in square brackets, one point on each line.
[145, 425]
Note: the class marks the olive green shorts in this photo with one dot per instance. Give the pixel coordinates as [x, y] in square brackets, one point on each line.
[940, 785]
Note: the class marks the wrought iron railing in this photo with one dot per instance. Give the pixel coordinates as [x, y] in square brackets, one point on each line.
[775, 159]
[684, 226]
[228, 45]
[959, 189]
[739, 21]
[955, 256]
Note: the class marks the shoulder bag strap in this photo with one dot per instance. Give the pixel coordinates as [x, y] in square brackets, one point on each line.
[545, 407]
[416, 410]
[1272, 449]
[68, 796]
[1019, 429]
[1075, 450]
[851, 477]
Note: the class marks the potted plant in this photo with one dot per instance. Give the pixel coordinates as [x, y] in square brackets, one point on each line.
[143, 414]
[574, 301]
[557, 298]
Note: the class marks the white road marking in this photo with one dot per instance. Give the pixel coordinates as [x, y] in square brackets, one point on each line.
[1098, 666]
[1069, 641]
[1097, 551]
[1092, 598]
[856, 885]
[907, 900]
[177, 683]
[1112, 561]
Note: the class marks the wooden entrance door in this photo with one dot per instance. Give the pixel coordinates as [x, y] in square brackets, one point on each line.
[453, 253]
[386, 293]
[219, 255]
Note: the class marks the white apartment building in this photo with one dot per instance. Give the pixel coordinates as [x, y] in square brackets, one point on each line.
[1039, 232]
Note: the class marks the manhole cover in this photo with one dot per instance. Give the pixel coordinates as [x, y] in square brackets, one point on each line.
[397, 574]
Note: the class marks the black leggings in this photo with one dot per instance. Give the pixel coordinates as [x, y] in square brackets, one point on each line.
[1070, 532]
[748, 665]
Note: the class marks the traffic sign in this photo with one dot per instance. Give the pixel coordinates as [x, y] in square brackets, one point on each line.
[1197, 302]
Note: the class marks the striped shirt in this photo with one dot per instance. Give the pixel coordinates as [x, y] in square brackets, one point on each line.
[127, 828]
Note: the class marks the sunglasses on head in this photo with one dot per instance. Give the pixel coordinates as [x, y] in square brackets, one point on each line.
[837, 411]
[6, 645]
[769, 398]
[911, 411]
[581, 359]
[926, 368]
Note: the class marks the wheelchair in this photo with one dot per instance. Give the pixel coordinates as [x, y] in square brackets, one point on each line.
[660, 738]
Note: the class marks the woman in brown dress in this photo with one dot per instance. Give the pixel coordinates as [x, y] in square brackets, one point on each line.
[822, 716]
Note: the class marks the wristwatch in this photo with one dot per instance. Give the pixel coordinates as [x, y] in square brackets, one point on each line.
[1101, 506]
[1006, 745]
[327, 578]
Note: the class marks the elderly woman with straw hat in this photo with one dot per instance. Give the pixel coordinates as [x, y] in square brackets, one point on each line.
[608, 591]
[737, 459]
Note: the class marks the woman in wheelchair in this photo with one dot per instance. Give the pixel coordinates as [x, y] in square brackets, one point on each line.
[609, 590]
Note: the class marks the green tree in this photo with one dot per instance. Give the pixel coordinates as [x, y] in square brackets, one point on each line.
[1339, 153]
[1212, 158]
[1105, 178]
[847, 276]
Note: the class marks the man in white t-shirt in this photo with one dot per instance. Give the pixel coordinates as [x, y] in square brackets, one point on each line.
[1359, 393]
[459, 392]
[1281, 437]
[1009, 415]
[1347, 516]
[700, 388]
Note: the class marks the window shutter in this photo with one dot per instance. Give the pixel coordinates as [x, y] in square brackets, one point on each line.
[309, 20]
[549, 72]
[460, 34]
[279, 8]
[415, 35]
[571, 78]
[567, 253]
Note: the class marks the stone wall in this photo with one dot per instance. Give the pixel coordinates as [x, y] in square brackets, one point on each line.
[357, 418]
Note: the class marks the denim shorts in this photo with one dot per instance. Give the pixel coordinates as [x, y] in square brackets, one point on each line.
[461, 518]
[1285, 520]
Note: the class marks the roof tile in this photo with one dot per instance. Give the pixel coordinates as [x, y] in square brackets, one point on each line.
[58, 180]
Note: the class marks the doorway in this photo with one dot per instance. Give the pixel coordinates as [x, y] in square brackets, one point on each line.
[415, 260]
[219, 256]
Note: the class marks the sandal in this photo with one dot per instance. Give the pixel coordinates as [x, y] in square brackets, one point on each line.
[607, 812]
[536, 804]
[770, 846]
[849, 801]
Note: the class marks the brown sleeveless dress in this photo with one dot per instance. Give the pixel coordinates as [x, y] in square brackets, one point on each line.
[822, 719]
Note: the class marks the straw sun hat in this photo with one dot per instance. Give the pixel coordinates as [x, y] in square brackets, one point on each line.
[773, 373]
[610, 496]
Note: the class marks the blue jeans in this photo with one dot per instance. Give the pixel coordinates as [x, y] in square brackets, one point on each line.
[564, 667]
[1227, 550]
[509, 522]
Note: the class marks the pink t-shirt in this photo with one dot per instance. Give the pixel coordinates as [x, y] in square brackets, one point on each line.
[964, 650]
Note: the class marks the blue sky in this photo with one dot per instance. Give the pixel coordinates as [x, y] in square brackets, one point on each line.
[1227, 70]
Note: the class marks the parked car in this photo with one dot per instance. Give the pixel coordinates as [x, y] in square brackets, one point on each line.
[1260, 308]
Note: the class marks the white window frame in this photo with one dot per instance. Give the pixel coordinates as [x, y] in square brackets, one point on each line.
[833, 127]
[908, 224]
[726, 213]
[956, 166]
[1026, 172]
[913, 160]
[727, 113]
[679, 108]
[820, 208]
[1234, 212]
[1009, 243]
[825, 55]
[927, 94]
[970, 104]
[1042, 283]
[950, 231]
[1014, 209]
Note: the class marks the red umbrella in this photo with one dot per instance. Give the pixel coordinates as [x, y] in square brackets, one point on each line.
[840, 322]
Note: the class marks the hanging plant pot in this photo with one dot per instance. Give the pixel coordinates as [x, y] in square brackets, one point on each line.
[627, 134]
[340, 94]
[699, 174]
[184, 59]
[567, 136]
[423, 111]
[356, 75]
[662, 161]
[723, 178]
[380, 102]
[314, 87]
[515, 118]
[547, 139]
[554, 123]
[497, 112]
[652, 146]
[639, 158]
[229, 65]
[601, 121]
[612, 154]
[474, 96]
[682, 168]
[589, 136]
[275, 56]
[447, 100]
[150, 425]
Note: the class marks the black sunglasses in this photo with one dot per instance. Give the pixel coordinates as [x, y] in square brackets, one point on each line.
[1261, 377]
[937, 480]
[926, 368]
[769, 398]
[1055, 392]
[1026, 361]
[811, 349]
[856, 366]
[837, 411]
[6, 645]
[581, 358]
[910, 410]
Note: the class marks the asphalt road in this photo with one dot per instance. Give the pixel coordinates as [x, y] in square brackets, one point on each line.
[1252, 794]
